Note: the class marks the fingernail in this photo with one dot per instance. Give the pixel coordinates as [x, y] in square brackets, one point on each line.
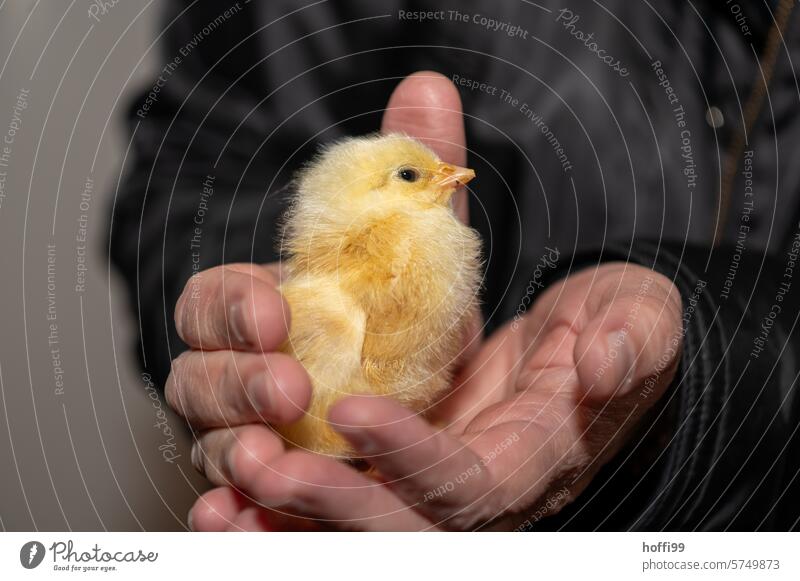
[227, 466]
[236, 320]
[619, 344]
[259, 388]
[197, 460]
[299, 505]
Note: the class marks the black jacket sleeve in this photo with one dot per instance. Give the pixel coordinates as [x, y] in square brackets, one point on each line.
[188, 200]
[217, 136]
[214, 141]
[222, 129]
[721, 450]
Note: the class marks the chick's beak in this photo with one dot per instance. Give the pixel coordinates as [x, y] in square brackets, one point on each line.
[449, 176]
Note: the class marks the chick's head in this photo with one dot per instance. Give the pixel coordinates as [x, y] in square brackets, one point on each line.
[380, 171]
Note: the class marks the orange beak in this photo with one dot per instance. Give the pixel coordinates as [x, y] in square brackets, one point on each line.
[448, 175]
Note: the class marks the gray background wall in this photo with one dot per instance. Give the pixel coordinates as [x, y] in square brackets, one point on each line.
[91, 454]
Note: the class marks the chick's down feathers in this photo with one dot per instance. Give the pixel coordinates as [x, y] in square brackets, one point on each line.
[381, 278]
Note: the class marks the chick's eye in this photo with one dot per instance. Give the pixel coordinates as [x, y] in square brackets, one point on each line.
[408, 174]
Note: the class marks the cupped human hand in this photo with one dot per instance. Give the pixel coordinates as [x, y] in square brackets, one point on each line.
[535, 410]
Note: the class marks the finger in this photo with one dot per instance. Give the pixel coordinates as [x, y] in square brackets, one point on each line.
[226, 509]
[216, 510]
[527, 442]
[321, 488]
[233, 307]
[633, 339]
[427, 106]
[257, 519]
[482, 381]
[229, 388]
[426, 468]
[235, 455]
[252, 519]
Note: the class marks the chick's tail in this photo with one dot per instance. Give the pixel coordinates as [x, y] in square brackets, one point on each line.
[326, 335]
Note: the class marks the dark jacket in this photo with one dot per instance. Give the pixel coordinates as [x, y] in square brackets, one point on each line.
[608, 130]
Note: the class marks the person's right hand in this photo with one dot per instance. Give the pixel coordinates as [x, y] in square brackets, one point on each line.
[232, 381]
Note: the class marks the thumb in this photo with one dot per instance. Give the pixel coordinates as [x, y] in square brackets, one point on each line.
[632, 342]
[427, 106]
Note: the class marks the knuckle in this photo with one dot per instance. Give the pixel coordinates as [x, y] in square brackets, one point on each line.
[186, 320]
[173, 390]
[203, 314]
[213, 322]
[197, 457]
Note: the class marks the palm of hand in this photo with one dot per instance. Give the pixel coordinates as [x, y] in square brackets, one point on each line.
[548, 379]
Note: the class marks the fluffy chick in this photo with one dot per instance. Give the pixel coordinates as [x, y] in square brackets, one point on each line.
[381, 278]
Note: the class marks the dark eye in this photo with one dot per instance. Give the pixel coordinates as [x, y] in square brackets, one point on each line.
[408, 174]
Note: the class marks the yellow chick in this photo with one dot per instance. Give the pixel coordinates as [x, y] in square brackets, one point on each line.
[381, 278]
